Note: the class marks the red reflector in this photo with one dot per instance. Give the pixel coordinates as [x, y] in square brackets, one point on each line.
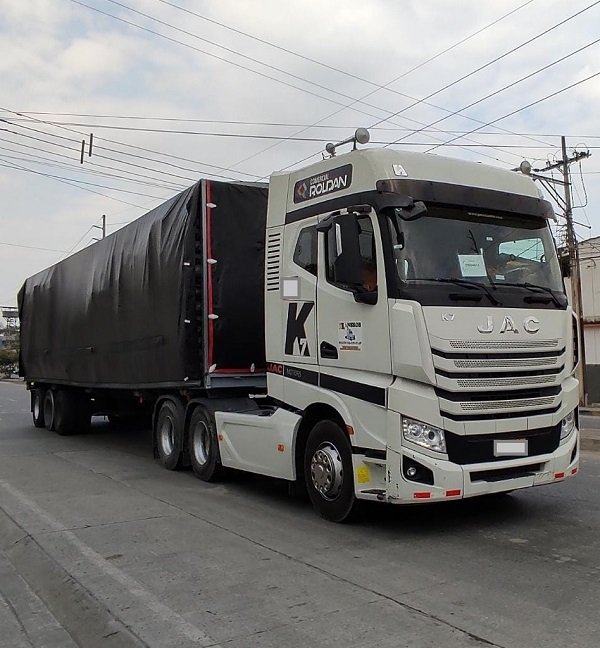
[574, 471]
[453, 493]
[421, 495]
[349, 430]
[559, 475]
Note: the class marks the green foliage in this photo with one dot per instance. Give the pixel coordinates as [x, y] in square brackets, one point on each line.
[9, 359]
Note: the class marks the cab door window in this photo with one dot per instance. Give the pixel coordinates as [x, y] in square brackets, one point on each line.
[368, 258]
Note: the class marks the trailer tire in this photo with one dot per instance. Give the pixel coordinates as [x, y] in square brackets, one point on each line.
[66, 418]
[37, 407]
[203, 446]
[168, 434]
[328, 472]
[49, 410]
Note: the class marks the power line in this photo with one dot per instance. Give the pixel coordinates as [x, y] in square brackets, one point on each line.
[453, 131]
[498, 58]
[506, 87]
[67, 182]
[170, 164]
[239, 65]
[39, 159]
[30, 247]
[529, 105]
[331, 67]
[262, 136]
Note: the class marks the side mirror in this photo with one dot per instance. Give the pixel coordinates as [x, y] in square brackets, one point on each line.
[347, 266]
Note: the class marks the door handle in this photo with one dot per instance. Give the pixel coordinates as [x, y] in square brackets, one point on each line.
[328, 351]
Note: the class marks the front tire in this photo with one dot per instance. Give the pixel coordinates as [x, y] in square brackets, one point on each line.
[168, 434]
[203, 446]
[328, 472]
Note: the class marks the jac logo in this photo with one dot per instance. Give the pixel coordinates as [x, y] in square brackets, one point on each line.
[530, 325]
[275, 368]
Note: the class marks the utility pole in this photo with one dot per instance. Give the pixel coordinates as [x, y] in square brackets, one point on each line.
[573, 249]
[101, 227]
[565, 203]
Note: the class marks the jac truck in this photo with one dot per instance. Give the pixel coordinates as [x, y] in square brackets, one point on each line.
[381, 325]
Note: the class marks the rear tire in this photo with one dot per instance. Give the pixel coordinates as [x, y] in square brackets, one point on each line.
[203, 446]
[328, 472]
[49, 410]
[168, 434]
[65, 413]
[37, 407]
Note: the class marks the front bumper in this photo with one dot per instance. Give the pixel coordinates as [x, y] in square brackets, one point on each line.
[454, 481]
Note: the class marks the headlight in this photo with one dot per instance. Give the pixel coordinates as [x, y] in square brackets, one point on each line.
[423, 434]
[567, 425]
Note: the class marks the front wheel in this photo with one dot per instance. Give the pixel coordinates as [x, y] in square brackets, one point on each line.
[328, 472]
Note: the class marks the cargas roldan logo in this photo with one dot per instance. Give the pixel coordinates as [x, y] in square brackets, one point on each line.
[323, 183]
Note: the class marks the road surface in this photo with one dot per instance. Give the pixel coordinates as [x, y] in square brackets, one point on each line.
[99, 546]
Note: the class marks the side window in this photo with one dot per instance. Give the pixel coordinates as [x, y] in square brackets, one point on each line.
[368, 259]
[530, 249]
[305, 253]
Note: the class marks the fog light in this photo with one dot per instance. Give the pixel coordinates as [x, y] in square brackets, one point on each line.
[411, 472]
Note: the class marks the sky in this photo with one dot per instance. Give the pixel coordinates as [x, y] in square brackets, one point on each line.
[177, 90]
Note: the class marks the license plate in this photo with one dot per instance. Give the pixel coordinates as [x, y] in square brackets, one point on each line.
[513, 448]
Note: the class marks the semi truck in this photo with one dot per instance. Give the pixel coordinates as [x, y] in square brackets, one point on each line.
[381, 326]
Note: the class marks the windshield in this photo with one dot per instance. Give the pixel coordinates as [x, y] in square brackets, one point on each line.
[449, 252]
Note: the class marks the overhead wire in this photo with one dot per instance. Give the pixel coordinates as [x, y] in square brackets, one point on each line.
[377, 87]
[506, 87]
[239, 65]
[498, 58]
[529, 105]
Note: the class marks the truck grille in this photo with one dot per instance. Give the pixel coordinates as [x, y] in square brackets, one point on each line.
[490, 383]
[479, 448]
[503, 344]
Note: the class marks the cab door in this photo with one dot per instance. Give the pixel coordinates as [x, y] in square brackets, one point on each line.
[352, 308]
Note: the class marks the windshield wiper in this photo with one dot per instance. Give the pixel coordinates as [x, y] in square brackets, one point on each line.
[534, 288]
[463, 282]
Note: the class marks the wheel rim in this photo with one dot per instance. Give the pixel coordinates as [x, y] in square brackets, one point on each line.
[201, 443]
[327, 471]
[167, 436]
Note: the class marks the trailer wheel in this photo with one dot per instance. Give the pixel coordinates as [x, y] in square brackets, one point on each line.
[37, 407]
[328, 472]
[168, 434]
[49, 409]
[203, 446]
[66, 419]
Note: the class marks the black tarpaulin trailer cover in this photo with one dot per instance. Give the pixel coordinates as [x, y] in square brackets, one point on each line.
[131, 310]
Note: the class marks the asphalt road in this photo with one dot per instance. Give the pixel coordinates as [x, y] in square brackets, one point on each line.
[99, 546]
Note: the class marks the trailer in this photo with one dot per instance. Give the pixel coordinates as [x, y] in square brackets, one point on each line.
[378, 326]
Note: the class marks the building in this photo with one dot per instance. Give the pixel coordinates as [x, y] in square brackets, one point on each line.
[589, 263]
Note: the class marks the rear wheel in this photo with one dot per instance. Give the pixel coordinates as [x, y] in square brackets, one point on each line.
[37, 407]
[203, 446]
[328, 472]
[65, 413]
[168, 434]
[49, 409]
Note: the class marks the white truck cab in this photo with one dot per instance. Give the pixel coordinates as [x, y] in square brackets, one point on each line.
[419, 343]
